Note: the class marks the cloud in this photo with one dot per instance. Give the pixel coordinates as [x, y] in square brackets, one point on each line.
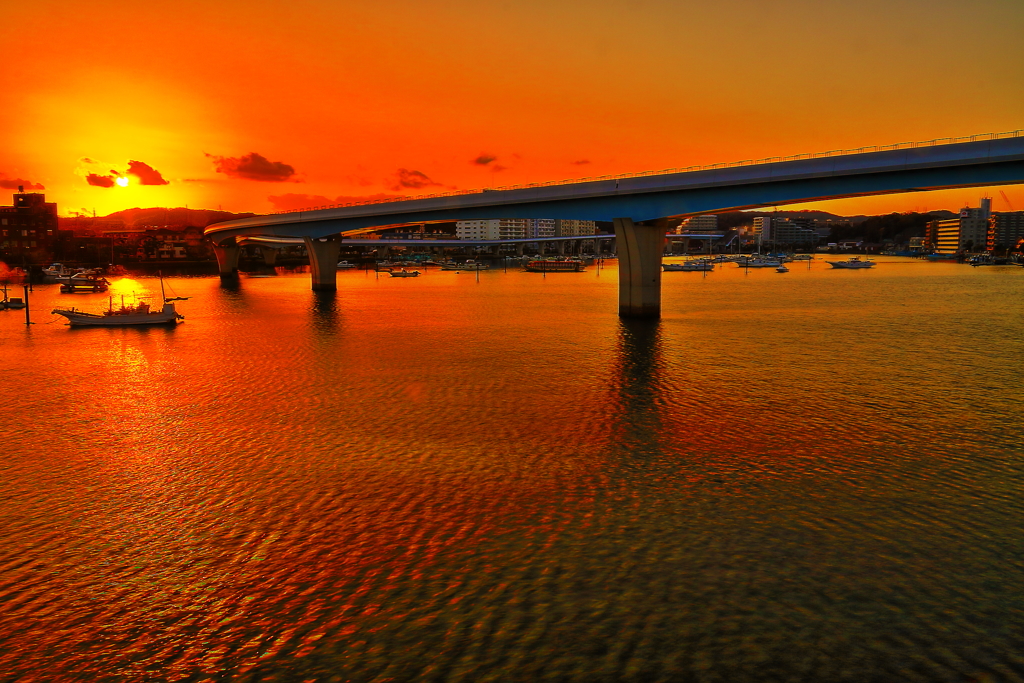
[408, 179]
[100, 180]
[14, 183]
[581, 162]
[253, 166]
[484, 159]
[292, 200]
[146, 174]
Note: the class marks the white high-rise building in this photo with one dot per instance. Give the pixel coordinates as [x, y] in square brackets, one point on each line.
[573, 228]
[505, 228]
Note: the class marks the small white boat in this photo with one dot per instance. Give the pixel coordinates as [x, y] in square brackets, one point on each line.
[782, 268]
[345, 265]
[852, 263]
[760, 262]
[404, 273]
[468, 265]
[696, 265]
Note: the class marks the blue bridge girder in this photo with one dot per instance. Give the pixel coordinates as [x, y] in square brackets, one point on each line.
[650, 197]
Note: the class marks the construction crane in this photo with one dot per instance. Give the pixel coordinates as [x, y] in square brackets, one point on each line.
[1007, 200]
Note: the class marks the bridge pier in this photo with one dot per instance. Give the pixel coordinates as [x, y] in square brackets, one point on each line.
[269, 256]
[227, 259]
[323, 262]
[640, 249]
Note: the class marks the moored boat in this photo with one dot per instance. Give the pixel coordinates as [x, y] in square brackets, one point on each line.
[127, 314]
[555, 266]
[852, 263]
[695, 265]
[404, 273]
[759, 262]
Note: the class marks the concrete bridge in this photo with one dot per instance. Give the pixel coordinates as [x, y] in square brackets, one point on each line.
[640, 204]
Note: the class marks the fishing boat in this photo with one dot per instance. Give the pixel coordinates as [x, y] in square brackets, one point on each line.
[852, 263]
[127, 314]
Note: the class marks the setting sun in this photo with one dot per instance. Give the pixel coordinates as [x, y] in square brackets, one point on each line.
[122, 181]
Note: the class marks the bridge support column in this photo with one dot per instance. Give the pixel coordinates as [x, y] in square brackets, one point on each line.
[227, 259]
[323, 262]
[640, 248]
[269, 256]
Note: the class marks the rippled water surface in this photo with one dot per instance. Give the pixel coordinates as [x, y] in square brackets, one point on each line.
[811, 476]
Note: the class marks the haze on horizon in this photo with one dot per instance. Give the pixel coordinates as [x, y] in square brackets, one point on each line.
[279, 105]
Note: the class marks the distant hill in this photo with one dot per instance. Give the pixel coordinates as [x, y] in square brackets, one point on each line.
[157, 217]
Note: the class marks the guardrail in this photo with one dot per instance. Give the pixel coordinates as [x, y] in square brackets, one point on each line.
[709, 167]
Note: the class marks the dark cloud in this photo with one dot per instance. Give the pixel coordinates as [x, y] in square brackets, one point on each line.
[484, 159]
[146, 174]
[253, 166]
[408, 179]
[581, 162]
[87, 160]
[293, 200]
[100, 180]
[15, 183]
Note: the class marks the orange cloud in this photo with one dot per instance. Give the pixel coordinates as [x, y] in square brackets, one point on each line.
[253, 166]
[146, 174]
[14, 183]
[100, 180]
[405, 178]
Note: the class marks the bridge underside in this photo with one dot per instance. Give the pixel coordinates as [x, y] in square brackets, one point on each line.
[634, 204]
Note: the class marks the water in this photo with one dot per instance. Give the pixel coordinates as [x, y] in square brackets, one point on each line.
[806, 476]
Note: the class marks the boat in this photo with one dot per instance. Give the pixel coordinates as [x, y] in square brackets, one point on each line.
[555, 266]
[689, 266]
[404, 273]
[941, 257]
[345, 265]
[782, 268]
[759, 262]
[852, 263]
[468, 265]
[14, 302]
[99, 285]
[135, 315]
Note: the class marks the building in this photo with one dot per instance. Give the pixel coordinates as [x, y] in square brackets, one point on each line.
[507, 228]
[762, 228]
[708, 223]
[1006, 230]
[29, 225]
[969, 232]
[574, 228]
[789, 231]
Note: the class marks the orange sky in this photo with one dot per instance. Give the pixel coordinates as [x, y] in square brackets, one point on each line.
[232, 104]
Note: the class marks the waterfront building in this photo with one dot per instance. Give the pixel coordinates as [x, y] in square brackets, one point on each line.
[1006, 230]
[790, 231]
[708, 223]
[29, 225]
[762, 228]
[505, 228]
[969, 232]
[574, 228]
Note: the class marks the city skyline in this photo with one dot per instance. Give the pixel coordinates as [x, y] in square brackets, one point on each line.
[271, 108]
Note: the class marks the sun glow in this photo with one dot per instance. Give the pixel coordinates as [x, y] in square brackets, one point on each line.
[122, 181]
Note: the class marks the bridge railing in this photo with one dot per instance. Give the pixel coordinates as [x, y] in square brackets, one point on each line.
[707, 167]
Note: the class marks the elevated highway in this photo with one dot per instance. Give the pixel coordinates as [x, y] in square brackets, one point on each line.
[637, 204]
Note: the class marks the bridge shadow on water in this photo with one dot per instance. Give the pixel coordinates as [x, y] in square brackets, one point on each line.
[325, 316]
[640, 370]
